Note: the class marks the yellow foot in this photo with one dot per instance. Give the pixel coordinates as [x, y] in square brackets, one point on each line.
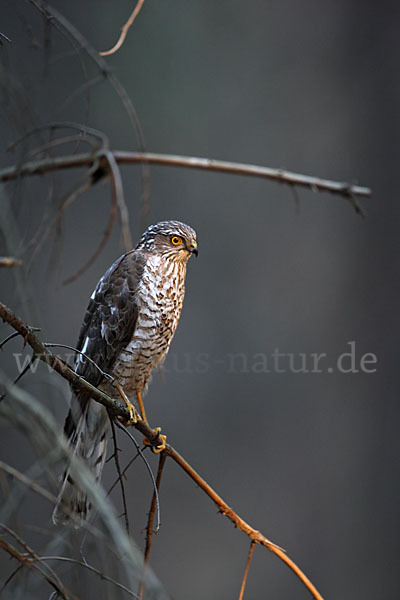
[134, 416]
[160, 447]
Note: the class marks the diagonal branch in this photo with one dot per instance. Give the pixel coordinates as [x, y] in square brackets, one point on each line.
[30, 562]
[118, 409]
[347, 190]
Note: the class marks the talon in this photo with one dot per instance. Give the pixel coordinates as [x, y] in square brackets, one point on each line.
[160, 447]
[134, 416]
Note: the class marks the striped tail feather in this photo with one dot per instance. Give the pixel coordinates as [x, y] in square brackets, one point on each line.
[88, 437]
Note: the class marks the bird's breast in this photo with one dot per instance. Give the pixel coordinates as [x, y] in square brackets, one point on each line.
[160, 298]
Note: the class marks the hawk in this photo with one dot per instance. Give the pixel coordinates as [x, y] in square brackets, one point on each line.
[127, 330]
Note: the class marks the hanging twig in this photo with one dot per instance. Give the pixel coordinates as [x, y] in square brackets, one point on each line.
[150, 521]
[246, 571]
[132, 460]
[120, 476]
[125, 30]
[125, 430]
[118, 192]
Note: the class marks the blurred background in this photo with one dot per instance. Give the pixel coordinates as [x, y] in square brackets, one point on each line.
[311, 459]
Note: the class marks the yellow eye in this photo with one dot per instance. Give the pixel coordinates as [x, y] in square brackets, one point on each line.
[176, 240]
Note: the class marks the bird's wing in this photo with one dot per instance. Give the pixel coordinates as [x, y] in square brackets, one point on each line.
[107, 328]
[110, 317]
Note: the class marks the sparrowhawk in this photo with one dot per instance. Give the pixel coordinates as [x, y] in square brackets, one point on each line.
[127, 330]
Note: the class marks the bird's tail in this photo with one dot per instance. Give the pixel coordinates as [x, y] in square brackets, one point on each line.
[88, 437]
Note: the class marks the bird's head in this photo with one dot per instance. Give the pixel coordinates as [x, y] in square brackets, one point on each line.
[171, 239]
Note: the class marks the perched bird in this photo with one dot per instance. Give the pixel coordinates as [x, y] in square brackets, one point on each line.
[127, 330]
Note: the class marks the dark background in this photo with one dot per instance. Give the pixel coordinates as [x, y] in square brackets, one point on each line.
[310, 459]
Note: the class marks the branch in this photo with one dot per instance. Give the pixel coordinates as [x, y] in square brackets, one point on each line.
[39, 167]
[30, 560]
[118, 409]
[125, 30]
[150, 521]
[246, 571]
[86, 565]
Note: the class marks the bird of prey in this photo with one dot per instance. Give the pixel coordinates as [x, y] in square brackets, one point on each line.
[127, 330]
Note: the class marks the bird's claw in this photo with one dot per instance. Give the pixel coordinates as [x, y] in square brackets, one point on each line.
[160, 447]
[134, 416]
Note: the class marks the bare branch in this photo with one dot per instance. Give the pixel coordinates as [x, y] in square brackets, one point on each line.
[120, 476]
[150, 522]
[142, 456]
[39, 167]
[92, 569]
[75, 37]
[125, 30]
[31, 563]
[118, 409]
[118, 192]
[246, 571]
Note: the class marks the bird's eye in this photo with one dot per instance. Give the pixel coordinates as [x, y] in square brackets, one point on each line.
[176, 240]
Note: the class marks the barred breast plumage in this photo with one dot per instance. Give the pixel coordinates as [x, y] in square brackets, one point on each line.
[159, 300]
[127, 330]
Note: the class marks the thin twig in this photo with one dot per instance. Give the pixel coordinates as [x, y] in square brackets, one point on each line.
[121, 157]
[125, 30]
[150, 522]
[127, 432]
[118, 192]
[74, 36]
[55, 125]
[30, 562]
[8, 338]
[31, 362]
[132, 460]
[120, 476]
[118, 409]
[93, 569]
[103, 373]
[100, 247]
[79, 188]
[246, 571]
[10, 577]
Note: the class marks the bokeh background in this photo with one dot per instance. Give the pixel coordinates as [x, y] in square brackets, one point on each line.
[310, 459]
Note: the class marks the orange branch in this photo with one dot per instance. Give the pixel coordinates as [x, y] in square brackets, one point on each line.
[119, 409]
[246, 571]
[125, 30]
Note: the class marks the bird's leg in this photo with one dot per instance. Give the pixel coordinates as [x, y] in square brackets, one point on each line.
[156, 431]
[141, 406]
[134, 416]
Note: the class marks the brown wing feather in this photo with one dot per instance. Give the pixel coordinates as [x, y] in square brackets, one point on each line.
[108, 324]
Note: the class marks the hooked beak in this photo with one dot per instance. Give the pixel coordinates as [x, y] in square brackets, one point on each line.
[193, 248]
